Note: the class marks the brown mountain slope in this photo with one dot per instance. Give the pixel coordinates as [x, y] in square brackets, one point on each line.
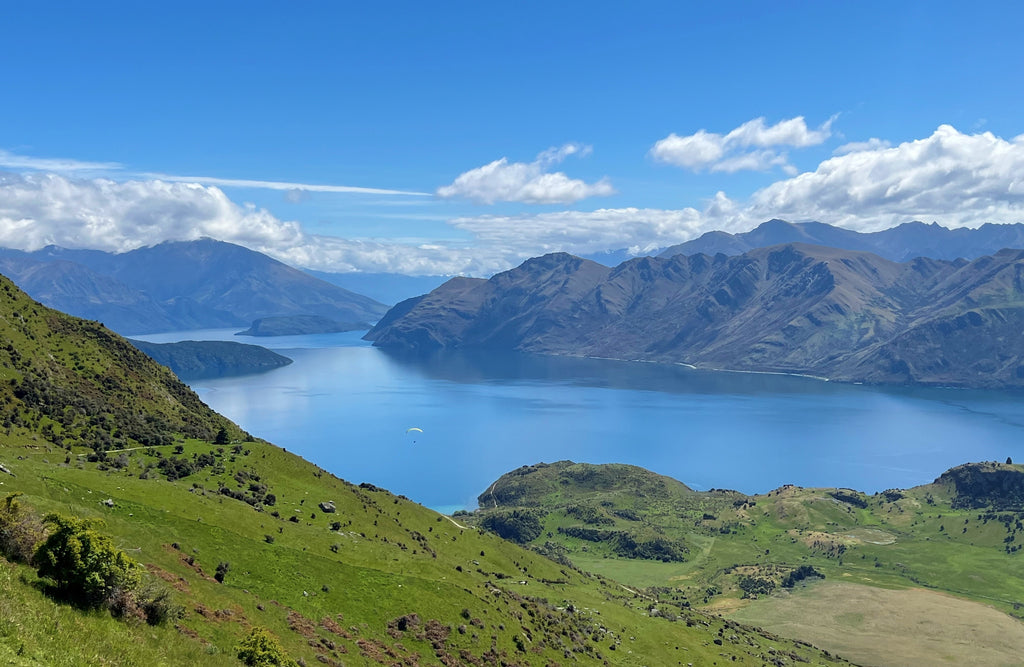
[791, 308]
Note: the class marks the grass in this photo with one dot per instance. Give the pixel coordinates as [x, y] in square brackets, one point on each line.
[311, 579]
[922, 539]
[876, 626]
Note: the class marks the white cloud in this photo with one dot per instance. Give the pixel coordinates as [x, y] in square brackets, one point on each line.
[584, 232]
[792, 132]
[526, 182]
[872, 144]
[287, 186]
[41, 209]
[13, 161]
[753, 145]
[953, 178]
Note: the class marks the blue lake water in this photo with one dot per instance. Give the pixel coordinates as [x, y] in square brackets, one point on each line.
[347, 406]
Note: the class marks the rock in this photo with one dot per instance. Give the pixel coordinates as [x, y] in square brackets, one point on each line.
[328, 507]
[109, 502]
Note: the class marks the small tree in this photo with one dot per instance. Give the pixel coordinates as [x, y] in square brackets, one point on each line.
[222, 571]
[222, 437]
[83, 563]
[261, 649]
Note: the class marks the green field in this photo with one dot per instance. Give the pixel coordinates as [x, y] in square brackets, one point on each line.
[960, 536]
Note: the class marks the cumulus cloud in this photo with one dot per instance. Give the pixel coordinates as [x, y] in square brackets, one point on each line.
[872, 144]
[585, 231]
[42, 209]
[754, 145]
[950, 177]
[526, 182]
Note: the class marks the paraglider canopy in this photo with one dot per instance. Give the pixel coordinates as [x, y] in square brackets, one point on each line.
[414, 429]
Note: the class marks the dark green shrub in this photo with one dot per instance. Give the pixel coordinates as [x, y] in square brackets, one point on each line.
[84, 564]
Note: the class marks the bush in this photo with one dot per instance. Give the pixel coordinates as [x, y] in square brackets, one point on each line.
[84, 564]
[222, 571]
[20, 531]
[516, 526]
[261, 648]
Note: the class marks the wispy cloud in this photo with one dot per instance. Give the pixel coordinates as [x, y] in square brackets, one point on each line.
[294, 191]
[14, 161]
[526, 182]
[754, 145]
[286, 186]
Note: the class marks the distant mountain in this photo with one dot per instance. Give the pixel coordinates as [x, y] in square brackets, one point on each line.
[899, 244]
[793, 308]
[614, 257]
[179, 286]
[193, 360]
[387, 288]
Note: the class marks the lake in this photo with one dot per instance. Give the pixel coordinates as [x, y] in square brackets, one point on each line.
[347, 406]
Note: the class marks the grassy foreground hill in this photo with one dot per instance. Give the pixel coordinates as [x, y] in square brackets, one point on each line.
[929, 575]
[242, 534]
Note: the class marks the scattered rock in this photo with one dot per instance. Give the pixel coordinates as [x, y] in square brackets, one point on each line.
[328, 507]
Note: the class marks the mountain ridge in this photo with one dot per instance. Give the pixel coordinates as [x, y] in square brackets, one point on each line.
[179, 285]
[899, 244]
[793, 308]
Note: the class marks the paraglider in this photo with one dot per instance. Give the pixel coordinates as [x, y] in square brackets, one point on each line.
[413, 429]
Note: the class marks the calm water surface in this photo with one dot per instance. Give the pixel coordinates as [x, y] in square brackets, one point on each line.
[346, 406]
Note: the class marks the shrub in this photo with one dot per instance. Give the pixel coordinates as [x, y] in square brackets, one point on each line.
[516, 526]
[222, 571]
[20, 531]
[84, 564]
[261, 648]
[156, 603]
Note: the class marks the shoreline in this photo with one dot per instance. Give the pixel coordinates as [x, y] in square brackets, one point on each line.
[692, 367]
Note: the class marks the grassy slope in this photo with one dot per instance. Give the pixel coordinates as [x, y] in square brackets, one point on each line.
[911, 539]
[329, 595]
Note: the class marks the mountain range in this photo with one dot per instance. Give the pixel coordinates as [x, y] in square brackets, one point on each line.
[899, 244]
[179, 286]
[794, 308]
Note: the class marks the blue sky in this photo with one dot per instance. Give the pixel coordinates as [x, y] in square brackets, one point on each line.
[485, 133]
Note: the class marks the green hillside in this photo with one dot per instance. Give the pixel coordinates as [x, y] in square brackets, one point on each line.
[244, 535]
[749, 556]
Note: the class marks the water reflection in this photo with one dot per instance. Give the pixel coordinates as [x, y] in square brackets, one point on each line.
[477, 366]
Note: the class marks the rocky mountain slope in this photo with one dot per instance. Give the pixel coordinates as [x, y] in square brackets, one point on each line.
[178, 286]
[899, 244]
[793, 308]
